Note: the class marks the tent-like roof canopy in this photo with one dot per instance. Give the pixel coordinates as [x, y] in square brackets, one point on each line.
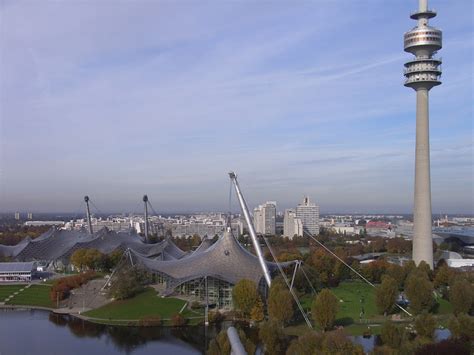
[226, 260]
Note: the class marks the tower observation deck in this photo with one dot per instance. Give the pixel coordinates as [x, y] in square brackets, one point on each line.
[422, 73]
[423, 42]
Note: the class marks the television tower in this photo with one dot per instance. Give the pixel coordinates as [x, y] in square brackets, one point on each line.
[422, 73]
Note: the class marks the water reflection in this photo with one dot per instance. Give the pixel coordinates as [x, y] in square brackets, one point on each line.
[51, 334]
[128, 339]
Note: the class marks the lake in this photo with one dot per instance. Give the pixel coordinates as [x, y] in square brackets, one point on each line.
[42, 332]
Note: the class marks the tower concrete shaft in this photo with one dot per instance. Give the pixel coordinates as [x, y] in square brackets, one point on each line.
[422, 73]
[422, 238]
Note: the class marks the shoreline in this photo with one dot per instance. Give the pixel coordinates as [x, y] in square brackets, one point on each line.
[102, 321]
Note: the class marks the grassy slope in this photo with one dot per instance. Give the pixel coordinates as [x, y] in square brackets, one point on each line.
[7, 290]
[351, 294]
[144, 304]
[36, 295]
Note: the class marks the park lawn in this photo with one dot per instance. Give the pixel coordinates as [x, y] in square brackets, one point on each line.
[36, 295]
[146, 303]
[444, 306]
[349, 294]
[7, 290]
[354, 295]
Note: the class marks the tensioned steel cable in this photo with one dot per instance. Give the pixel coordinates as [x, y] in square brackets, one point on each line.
[300, 307]
[152, 209]
[350, 267]
[112, 274]
[93, 205]
[307, 279]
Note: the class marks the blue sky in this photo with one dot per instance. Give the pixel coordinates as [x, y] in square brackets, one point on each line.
[115, 99]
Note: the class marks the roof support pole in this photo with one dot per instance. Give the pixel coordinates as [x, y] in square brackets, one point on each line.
[253, 235]
[297, 264]
[88, 213]
[236, 345]
[145, 200]
[206, 311]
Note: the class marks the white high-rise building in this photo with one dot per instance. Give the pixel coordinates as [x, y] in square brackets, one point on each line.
[292, 225]
[264, 217]
[309, 214]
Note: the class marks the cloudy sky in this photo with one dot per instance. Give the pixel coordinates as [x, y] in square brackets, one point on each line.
[115, 99]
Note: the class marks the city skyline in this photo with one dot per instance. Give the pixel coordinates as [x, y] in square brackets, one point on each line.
[168, 104]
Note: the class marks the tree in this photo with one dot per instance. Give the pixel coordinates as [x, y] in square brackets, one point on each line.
[280, 303]
[375, 270]
[256, 313]
[272, 337]
[392, 335]
[419, 290]
[308, 343]
[324, 309]
[337, 342]
[78, 259]
[220, 344]
[93, 259]
[177, 320]
[462, 327]
[425, 325]
[324, 264]
[386, 294]
[245, 295]
[444, 274]
[461, 295]
[126, 284]
[114, 258]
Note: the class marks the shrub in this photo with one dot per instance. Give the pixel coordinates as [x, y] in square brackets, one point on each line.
[62, 287]
[150, 321]
[178, 320]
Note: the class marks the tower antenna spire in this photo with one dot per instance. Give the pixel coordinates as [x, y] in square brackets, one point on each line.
[422, 73]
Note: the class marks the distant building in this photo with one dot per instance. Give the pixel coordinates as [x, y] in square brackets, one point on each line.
[292, 225]
[17, 271]
[17, 215]
[345, 229]
[30, 216]
[45, 223]
[309, 214]
[265, 218]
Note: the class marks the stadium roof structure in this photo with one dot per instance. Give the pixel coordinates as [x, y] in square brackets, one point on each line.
[59, 245]
[225, 260]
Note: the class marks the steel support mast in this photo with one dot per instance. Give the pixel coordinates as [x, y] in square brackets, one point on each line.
[88, 214]
[145, 200]
[253, 235]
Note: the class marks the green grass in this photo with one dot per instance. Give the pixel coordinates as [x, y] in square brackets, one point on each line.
[444, 307]
[351, 294]
[147, 303]
[36, 295]
[7, 290]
